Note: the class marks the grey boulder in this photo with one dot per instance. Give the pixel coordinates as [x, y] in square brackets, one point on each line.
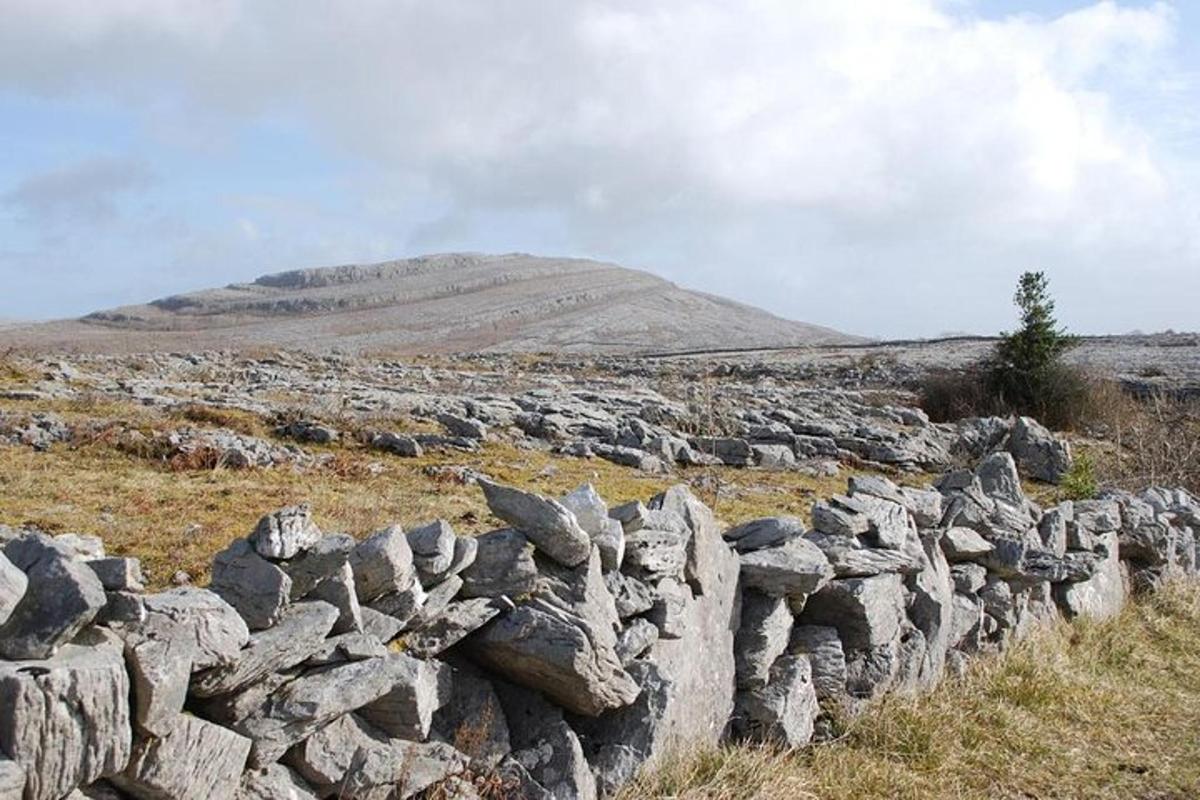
[547, 523]
[257, 588]
[65, 720]
[61, 596]
[794, 569]
[194, 760]
[503, 565]
[285, 533]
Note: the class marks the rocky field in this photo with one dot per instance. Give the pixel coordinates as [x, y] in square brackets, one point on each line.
[273, 574]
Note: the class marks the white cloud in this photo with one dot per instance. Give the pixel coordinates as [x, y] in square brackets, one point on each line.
[760, 148]
[83, 192]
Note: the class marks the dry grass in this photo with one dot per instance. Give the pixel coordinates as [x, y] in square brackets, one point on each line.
[1082, 710]
[176, 515]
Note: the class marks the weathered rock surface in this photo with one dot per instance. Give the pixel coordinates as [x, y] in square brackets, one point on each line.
[795, 568]
[547, 523]
[300, 630]
[382, 563]
[285, 533]
[257, 588]
[65, 720]
[195, 760]
[61, 596]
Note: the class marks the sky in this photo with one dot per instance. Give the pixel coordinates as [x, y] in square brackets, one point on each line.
[884, 167]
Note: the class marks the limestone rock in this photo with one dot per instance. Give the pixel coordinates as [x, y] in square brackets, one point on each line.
[118, 574]
[563, 641]
[964, 544]
[630, 595]
[827, 660]
[669, 612]
[762, 636]
[1100, 597]
[383, 627]
[619, 742]
[456, 621]
[338, 591]
[465, 551]
[65, 720]
[471, 718]
[556, 761]
[160, 669]
[350, 758]
[762, 533]
[542, 646]
[285, 533]
[638, 637]
[503, 565]
[275, 782]
[396, 444]
[195, 760]
[324, 559]
[211, 627]
[550, 526]
[12, 588]
[303, 706]
[867, 612]
[925, 505]
[61, 596]
[592, 514]
[784, 709]
[931, 609]
[1037, 452]
[404, 605]
[406, 711]
[258, 589]
[432, 548]
[796, 568]
[300, 631]
[656, 553]
[851, 559]
[382, 564]
[12, 780]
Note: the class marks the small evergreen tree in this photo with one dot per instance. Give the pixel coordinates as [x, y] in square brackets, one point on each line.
[1026, 373]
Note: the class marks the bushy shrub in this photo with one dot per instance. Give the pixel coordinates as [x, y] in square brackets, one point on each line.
[1080, 481]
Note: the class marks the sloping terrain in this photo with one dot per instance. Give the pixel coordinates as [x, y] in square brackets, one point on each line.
[441, 303]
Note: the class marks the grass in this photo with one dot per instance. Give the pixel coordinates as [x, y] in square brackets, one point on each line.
[1080, 710]
[177, 519]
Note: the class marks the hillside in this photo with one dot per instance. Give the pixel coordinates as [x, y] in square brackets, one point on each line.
[440, 303]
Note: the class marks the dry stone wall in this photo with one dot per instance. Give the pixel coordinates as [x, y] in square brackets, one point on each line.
[550, 659]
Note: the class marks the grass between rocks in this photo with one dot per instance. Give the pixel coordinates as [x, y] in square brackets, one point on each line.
[177, 519]
[1079, 710]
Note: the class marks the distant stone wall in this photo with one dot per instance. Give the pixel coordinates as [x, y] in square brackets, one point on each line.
[553, 658]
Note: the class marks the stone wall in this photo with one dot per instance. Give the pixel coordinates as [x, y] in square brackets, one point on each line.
[549, 659]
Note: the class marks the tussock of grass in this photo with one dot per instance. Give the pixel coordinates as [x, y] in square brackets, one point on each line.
[1084, 710]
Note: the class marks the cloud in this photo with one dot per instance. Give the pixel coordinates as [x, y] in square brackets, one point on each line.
[781, 151]
[83, 193]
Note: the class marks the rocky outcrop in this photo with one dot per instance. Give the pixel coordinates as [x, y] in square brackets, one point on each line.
[316, 667]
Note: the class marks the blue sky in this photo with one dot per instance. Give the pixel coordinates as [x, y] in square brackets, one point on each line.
[885, 167]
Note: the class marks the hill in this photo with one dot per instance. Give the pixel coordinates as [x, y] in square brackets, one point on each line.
[455, 302]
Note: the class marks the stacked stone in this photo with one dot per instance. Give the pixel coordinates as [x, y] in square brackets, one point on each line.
[557, 656]
[318, 666]
[895, 585]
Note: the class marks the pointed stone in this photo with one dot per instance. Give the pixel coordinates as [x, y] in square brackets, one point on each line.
[551, 527]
